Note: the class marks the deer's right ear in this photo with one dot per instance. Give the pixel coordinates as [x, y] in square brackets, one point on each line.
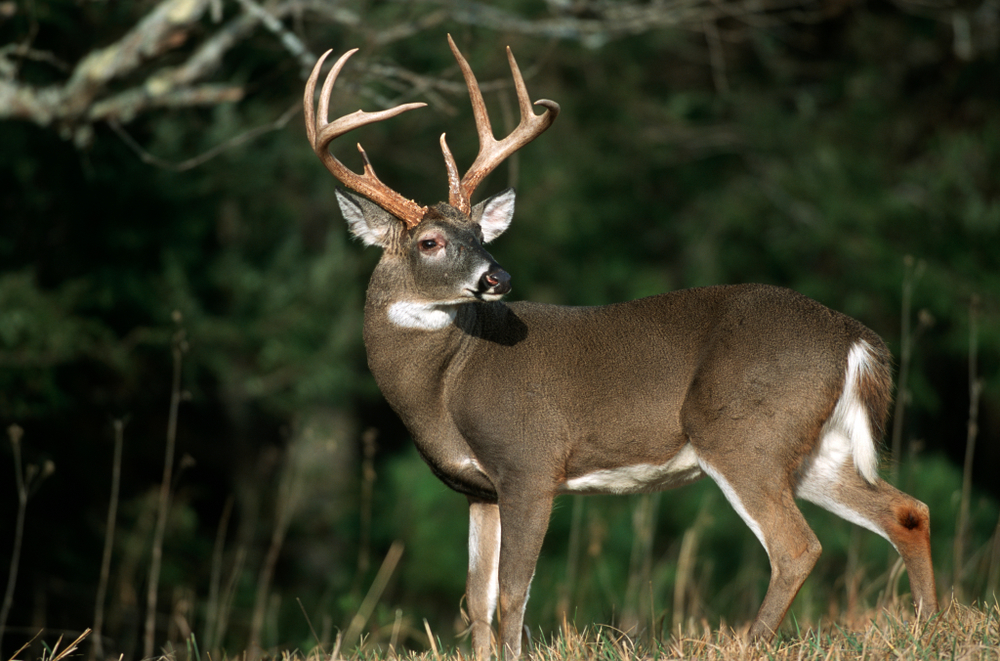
[366, 220]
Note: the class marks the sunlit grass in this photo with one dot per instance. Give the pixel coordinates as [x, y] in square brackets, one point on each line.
[960, 632]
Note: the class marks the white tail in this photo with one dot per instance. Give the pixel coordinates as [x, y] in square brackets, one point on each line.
[770, 394]
[851, 417]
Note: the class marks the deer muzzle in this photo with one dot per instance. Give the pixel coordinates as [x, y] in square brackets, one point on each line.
[495, 282]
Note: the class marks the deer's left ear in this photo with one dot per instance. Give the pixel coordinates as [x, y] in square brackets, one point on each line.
[494, 214]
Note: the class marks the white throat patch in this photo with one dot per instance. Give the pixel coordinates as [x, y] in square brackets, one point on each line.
[422, 316]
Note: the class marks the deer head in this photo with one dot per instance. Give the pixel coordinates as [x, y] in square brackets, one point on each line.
[431, 240]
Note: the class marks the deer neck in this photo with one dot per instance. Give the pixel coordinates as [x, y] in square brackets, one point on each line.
[410, 346]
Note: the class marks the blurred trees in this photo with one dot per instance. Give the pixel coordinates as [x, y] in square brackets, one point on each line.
[152, 162]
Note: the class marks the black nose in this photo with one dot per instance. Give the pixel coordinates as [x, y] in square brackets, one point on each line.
[495, 281]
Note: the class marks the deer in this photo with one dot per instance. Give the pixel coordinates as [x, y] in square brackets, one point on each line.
[768, 393]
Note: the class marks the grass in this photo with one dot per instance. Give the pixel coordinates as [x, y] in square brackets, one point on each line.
[960, 633]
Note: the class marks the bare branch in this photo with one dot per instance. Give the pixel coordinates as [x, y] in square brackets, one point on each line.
[93, 89]
[195, 161]
[291, 42]
[606, 21]
[162, 29]
[74, 102]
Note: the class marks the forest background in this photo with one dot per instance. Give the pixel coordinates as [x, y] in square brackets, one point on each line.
[197, 454]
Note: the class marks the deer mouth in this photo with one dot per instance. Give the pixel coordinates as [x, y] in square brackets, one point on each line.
[494, 293]
[487, 296]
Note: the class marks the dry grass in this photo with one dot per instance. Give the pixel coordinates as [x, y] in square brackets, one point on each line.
[960, 633]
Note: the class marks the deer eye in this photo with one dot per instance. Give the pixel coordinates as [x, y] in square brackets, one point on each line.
[428, 245]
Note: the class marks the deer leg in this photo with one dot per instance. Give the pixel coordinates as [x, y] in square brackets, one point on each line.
[768, 507]
[883, 509]
[524, 518]
[481, 586]
[907, 523]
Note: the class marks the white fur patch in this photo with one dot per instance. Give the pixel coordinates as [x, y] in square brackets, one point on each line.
[817, 490]
[475, 558]
[734, 500]
[851, 417]
[638, 478]
[845, 436]
[422, 316]
[470, 462]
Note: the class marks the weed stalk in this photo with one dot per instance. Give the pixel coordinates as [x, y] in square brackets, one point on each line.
[24, 482]
[288, 493]
[213, 607]
[913, 270]
[972, 432]
[567, 592]
[367, 606]
[179, 347]
[367, 492]
[15, 433]
[97, 649]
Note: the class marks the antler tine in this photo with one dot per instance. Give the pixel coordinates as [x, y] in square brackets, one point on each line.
[321, 132]
[493, 152]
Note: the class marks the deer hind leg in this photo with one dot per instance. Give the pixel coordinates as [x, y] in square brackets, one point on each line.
[481, 586]
[765, 502]
[883, 509]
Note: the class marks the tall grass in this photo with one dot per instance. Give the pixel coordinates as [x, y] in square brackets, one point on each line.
[26, 482]
[97, 649]
[15, 433]
[972, 433]
[178, 348]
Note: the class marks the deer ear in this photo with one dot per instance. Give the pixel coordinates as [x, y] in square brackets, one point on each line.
[494, 214]
[366, 220]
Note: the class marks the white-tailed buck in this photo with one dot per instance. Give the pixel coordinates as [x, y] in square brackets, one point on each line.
[772, 395]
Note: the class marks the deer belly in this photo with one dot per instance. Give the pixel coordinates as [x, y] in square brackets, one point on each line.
[682, 469]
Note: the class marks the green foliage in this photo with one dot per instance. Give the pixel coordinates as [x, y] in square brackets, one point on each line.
[41, 330]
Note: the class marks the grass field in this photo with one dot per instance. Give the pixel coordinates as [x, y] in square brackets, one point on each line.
[959, 632]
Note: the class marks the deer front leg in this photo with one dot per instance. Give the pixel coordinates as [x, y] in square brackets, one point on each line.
[481, 586]
[524, 518]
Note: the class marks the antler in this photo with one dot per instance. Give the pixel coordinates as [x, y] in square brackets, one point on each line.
[492, 152]
[322, 132]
